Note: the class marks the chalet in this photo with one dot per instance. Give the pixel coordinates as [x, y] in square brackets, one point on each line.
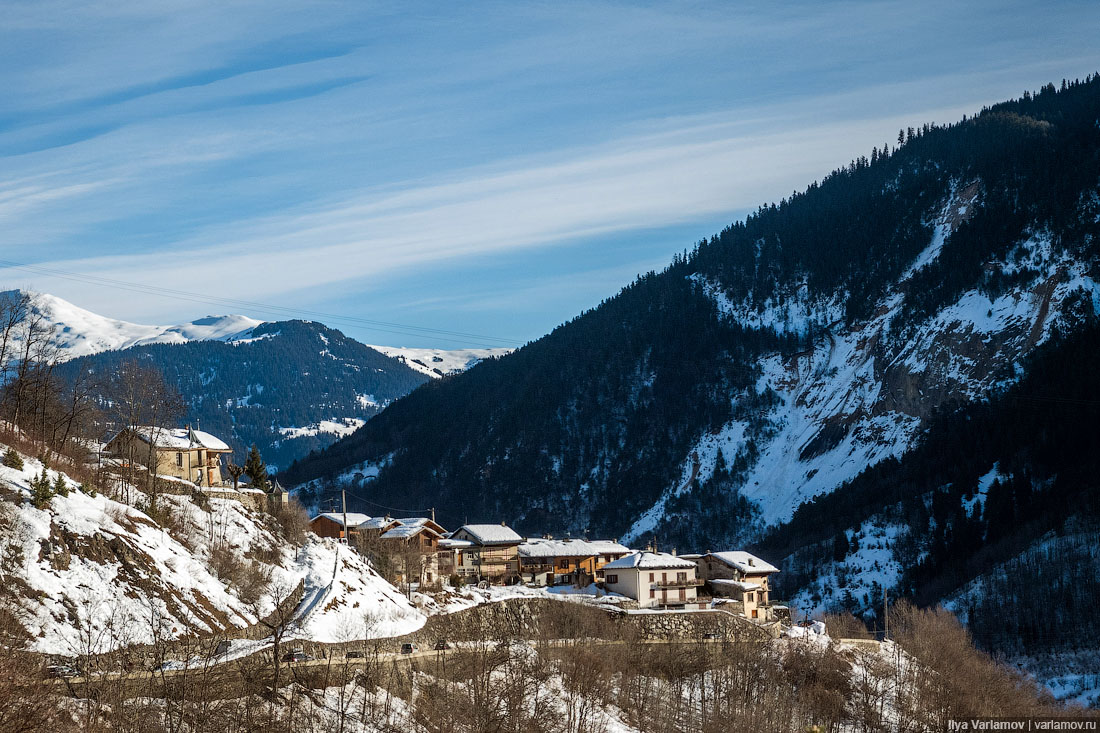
[331, 524]
[654, 579]
[179, 452]
[548, 561]
[492, 554]
[420, 532]
[740, 576]
[419, 537]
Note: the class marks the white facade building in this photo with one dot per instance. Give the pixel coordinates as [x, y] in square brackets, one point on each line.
[654, 579]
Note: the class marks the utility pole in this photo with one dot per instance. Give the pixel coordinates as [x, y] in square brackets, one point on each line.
[344, 505]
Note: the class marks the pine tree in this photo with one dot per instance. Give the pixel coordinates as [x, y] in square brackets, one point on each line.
[840, 546]
[41, 490]
[13, 460]
[255, 469]
[60, 488]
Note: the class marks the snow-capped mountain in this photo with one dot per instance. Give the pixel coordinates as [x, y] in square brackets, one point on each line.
[80, 332]
[438, 363]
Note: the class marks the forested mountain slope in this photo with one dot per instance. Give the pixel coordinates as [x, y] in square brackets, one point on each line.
[776, 360]
[290, 387]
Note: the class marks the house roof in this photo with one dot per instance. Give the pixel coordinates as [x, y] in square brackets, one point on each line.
[490, 534]
[455, 544]
[354, 519]
[648, 560]
[745, 562]
[570, 548]
[405, 531]
[177, 438]
[377, 523]
[740, 585]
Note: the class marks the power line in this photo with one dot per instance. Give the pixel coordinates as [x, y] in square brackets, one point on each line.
[367, 323]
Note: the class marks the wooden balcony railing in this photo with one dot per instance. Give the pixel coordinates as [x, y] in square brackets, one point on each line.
[674, 583]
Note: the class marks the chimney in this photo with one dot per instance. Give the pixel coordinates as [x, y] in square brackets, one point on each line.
[752, 562]
[502, 524]
[674, 552]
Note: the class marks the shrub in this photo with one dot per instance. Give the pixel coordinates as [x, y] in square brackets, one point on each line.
[12, 460]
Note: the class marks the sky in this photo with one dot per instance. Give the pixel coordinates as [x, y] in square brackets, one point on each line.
[461, 174]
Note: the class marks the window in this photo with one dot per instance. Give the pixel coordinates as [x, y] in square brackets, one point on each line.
[652, 593]
[651, 577]
[563, 564]
[755, 613]
[179, 459]
[612, 578]
[683, 594]
[681, 577]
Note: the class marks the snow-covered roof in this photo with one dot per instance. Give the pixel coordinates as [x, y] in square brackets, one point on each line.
[740, 585]
[455, 544]
[745, 562]
[490, 534]
[377, 523]
[354, 519]
[570, 548]
[405, 531]
[649, 560]
[178, 438]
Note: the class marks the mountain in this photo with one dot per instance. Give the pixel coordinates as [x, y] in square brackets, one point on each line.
[290, 387]
[80, 332]
[808, 349]
[438, 363]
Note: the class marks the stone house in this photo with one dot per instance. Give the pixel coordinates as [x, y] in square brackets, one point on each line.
[740, 576]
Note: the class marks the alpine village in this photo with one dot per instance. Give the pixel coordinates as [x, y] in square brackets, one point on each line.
[831, 468]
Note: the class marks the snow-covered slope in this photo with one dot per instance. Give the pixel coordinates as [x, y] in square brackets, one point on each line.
[863, 393]
[80, 332]
[93, 574]
[439, 362]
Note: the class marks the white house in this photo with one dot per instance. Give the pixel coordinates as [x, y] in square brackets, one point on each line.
[654, 579]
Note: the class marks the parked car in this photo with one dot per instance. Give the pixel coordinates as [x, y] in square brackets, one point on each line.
[712, 636]
[442, 645]
[61, 671]
[297, 655]
[355, 654]
[408, 648]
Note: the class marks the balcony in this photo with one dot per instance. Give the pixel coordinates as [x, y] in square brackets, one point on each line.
[676, 583]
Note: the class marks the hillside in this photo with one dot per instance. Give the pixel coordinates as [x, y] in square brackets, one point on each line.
[290, 387]
[89, 574]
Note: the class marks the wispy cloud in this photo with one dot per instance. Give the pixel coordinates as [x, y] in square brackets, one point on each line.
[335, 146]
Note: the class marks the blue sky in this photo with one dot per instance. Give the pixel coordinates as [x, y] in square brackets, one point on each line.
[484, 168]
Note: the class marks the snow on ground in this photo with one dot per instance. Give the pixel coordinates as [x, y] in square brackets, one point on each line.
[81, 332]
[439, 362]
[863, 572]
[847, 401]
[101, 574]
[336, 426]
